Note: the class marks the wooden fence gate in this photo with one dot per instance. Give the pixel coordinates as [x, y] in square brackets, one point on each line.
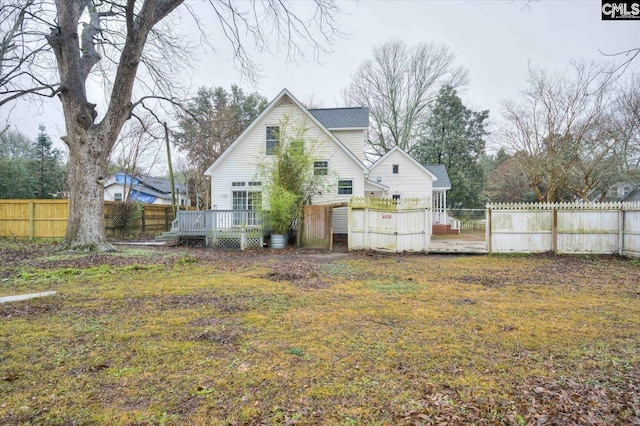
[317, 232]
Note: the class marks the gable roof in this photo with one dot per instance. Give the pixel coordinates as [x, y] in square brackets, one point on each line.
[440, 170]
[161, 184]
[150, 184]
[267, 110]
[342, 118]
[434, 178]
[630, 195]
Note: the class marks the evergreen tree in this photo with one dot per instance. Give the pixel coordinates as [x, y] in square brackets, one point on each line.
[29, 169]
[454, 136]
[209, 124]
[16, 166]
[48, 166]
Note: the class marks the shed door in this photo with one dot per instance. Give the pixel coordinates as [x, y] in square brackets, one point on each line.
[317, 227]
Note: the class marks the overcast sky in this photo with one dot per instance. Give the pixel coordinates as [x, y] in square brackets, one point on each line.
[496, 40]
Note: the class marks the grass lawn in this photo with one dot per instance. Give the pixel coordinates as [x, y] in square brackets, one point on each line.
[193, 336]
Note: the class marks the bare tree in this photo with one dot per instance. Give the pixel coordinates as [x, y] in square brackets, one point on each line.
[624, 131]
[398, 85]
[119, 40]
[23, 49]
[627, 111]
[138, 149]
[559, 129]
[506, 183]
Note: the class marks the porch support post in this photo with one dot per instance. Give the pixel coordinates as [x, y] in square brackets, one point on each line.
[444, 207]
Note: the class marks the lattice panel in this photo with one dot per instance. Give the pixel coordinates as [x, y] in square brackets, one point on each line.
[254, 242]
[234, 241]
[228, 243]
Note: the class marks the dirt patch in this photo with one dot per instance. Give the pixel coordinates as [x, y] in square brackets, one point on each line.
[300, 273]
[485, 281]
[29, 308]
[223, 337]
[224, 304]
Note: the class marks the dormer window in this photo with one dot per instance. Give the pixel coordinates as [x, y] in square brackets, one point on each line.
[272, 138]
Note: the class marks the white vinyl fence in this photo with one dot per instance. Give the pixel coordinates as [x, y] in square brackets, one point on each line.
[565, 228]
[390, 225]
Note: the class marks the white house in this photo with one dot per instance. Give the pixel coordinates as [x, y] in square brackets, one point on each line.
[145, 189]
[336, 139]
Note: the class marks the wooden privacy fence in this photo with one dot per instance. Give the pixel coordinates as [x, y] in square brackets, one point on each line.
[390, 225]
[565, 228]
[48, 218]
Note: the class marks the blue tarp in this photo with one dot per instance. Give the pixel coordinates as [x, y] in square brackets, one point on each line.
[142, 197]
[125, 179]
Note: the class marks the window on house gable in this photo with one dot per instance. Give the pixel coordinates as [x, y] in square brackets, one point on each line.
[395, 169]
[273, 133]
[345, 187]
[117, 196]
[320, 168]
[297, 147]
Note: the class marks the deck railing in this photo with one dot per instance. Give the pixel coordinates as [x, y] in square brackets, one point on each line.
[223, 228]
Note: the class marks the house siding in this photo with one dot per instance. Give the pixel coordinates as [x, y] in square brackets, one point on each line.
[340, 220]
[354, 140]
[411, 180]
[243, 162]
[111, 190]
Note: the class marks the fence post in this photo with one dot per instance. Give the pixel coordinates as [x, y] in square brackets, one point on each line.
[143, 219]
[366, 227]
[488, 230]
[554, 231]
[427, 231]
[621, 231]
[31, 220]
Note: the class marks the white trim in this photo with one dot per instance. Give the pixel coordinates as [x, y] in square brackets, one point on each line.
[376, 184]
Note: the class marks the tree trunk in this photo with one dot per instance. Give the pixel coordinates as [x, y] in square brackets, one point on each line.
[86, 175]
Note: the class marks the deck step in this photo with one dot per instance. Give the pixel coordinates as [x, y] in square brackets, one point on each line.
[167, 236]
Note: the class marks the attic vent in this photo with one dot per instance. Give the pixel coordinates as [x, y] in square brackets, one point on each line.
[285, 101]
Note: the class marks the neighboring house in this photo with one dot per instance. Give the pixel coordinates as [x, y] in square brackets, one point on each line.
[398, 175]
[625, 191]
[144, 189]
[337, 138]
[632, 195]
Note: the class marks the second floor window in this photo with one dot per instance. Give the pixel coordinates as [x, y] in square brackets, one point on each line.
[273, 133]
[320, 168]
[396, 169]
[345, 187]
[297, 147]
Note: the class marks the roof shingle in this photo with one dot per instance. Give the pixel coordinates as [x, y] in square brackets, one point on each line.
[441, 173]
[342, 118]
